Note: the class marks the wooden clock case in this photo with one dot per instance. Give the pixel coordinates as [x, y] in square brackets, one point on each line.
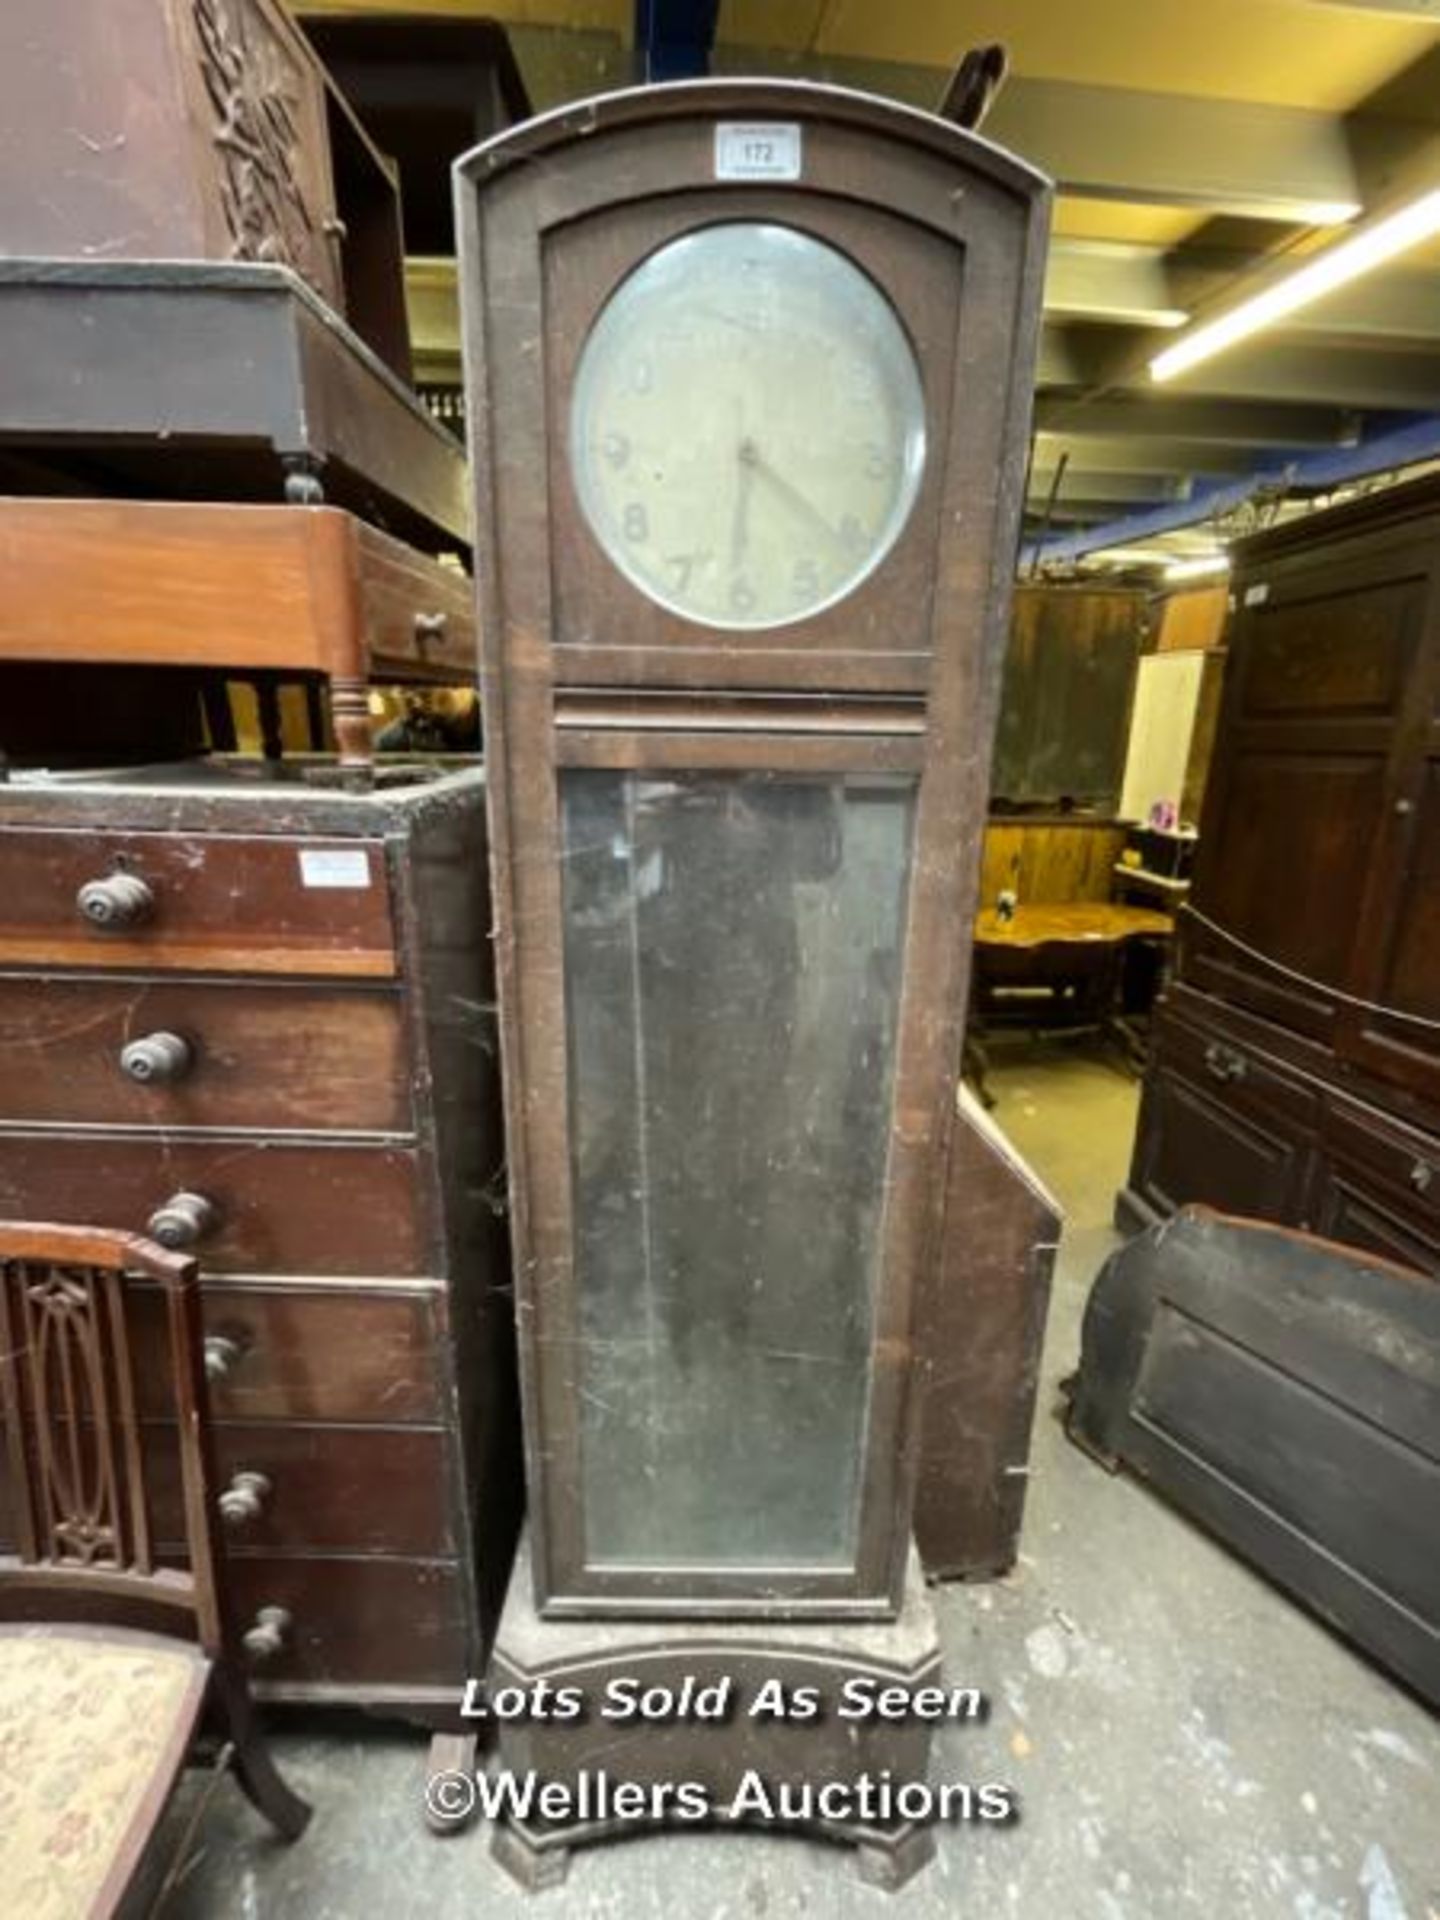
[580, 671]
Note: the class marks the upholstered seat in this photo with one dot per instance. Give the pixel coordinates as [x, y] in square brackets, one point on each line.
[94, 1725]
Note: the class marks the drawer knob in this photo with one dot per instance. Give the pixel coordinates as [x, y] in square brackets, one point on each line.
[269, 1633]
[428, 627]
[1422, 1176]
[244, 1499]
[119, 900]
[184, 1219]
[159, 1060]
[222, 1356]
[1223, 1063]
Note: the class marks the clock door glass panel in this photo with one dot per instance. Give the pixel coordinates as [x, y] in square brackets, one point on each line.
[733, 949]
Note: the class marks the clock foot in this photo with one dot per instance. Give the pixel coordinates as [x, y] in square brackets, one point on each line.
[742, 1751]
[531, 1862]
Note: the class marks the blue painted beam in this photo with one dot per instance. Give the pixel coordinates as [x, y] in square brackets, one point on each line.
[674, 37]
[1402, 446]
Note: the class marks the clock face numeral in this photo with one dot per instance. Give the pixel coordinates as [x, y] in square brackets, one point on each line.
[747, 428]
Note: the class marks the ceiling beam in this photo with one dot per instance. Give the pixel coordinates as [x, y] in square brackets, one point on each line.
[1140, 453]
[1273, 366]
[1168, 415]
[1267, 163]
[1286, 369]
[1117, 143]
[1104, 280]
[1146, 286]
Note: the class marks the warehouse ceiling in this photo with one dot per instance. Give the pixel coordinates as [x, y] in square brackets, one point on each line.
[1195, 145]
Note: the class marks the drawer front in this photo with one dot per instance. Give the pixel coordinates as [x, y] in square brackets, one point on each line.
[358, 1622]
[274, 1207]
[327, 1489]
[1195, 1145]
[1399, 1161]
[100, 1051]
[1358, 1216]
[1236, 1075]
[417, 614]
[306, 1353]
[206, 903]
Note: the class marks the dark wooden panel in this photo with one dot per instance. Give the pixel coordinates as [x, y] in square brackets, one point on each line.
[1223, 1124]
[1284, 857]
[1193, 1147]
[281, 1208]
[219, 904]
[1065, 704]
[390, 1622]
[1347, 652]
[1286, 1394]
[986, 1325]
[279, 1057]
[1346, 1212]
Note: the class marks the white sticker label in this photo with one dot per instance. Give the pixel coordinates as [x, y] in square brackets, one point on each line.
[334, 867]
[1257, 595]
[762, 150]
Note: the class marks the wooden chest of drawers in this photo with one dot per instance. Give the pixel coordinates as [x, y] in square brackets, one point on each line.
[255, 1019]
[1242, 1114]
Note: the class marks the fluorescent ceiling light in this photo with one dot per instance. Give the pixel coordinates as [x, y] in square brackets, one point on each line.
[1199, 568]
[1321, 274]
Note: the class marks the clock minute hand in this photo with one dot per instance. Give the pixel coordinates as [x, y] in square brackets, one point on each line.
[788, 491]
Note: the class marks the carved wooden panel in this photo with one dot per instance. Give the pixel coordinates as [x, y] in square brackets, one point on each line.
[265, 125]
[70, 1410]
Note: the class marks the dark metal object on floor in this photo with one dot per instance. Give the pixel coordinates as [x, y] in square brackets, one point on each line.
[1284, 1392]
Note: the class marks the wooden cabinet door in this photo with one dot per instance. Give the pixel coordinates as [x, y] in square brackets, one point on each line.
[1396, 960]
[1297, 865]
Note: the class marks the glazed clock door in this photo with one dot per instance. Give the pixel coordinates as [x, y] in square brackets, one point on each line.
[733, 950]
[747, 461]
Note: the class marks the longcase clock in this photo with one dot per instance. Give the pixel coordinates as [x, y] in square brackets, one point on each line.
[749, 369]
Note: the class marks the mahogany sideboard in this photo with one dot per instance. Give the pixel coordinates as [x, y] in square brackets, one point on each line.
[255, 1021]
[270, 592]
[1296, 1069]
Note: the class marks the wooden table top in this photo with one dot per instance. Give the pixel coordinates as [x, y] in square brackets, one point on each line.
[1073, 922]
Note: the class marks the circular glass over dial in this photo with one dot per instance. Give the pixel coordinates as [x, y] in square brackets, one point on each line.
[747, 430]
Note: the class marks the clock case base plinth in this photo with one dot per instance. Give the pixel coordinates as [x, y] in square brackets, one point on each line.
[588, 1654]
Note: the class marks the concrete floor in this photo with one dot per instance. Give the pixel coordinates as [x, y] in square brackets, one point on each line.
[1183, 1740]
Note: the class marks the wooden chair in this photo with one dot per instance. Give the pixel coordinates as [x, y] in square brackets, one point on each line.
[107, 1658]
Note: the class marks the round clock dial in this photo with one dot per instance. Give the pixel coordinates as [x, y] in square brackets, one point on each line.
[747, 431]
